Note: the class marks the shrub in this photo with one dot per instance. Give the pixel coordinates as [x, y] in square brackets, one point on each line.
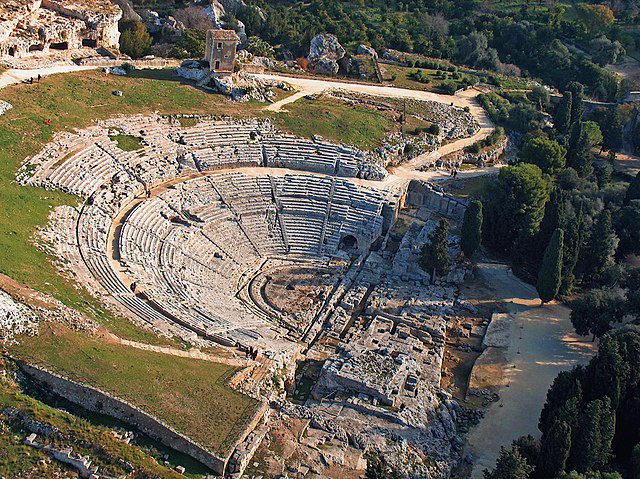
[135, 39]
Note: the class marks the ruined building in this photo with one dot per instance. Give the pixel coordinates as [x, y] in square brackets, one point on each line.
[30, 26]
[220, 50]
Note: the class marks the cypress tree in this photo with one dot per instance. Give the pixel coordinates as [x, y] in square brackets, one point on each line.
[563, 399]
[510, 465]
[572, 247]
[550, 274]
[471, 229]
[579, 155]
[434, 257]
[594, 436]
[562, 118]
[633, 192]
[577, 101]
[599, 256]
[555, 446]
[555, 216]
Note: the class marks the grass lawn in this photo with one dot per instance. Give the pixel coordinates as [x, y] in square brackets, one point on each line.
[471, 188]
[85, 438]
[127, 142]
[191, 395]
[335, 121]
[403, 79]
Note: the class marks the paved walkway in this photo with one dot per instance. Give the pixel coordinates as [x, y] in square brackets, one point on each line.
[542, 344]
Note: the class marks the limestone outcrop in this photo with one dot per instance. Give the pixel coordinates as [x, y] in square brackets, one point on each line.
[325, 52]
[31, 26]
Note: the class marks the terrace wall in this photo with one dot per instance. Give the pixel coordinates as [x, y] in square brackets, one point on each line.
[101, 402]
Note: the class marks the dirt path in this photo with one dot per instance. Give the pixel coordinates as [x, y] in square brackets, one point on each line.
[223, 357]
[542, 344]
[627, 163]
[13, 76]
[467, 98]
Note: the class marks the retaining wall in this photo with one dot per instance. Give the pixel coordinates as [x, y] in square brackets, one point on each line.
[95, 400]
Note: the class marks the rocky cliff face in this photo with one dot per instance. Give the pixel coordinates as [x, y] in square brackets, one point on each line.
[28, 26]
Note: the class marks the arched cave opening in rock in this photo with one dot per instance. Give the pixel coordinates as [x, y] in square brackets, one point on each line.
[349, 243]
[88, 42]
[36, 48]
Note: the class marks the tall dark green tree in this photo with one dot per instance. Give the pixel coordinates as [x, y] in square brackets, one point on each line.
[628, 228]
[554, 450]
[611, 123]
[579, 153]
[514, 206]
[550, 274]
[635, 462]
[471, 234]
[562, 118]
[577, 101]
[572, 246]
[594, 436]
[510, 465]
[135, 39]
[434, 257]
[601, 247]
[632, 284]
[563, 400]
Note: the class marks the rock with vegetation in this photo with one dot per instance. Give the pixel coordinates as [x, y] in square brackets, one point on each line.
[325, 52]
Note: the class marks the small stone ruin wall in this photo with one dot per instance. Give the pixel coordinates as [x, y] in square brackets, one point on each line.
[421, 194]
[98, 401]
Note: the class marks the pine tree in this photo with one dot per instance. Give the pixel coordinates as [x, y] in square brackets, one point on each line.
[555, 446]
[635, 462]
[596, 311]
[562, 118]
[434, 257]
[633, 192]
[555, 216]
[550, 274]
[471, 229]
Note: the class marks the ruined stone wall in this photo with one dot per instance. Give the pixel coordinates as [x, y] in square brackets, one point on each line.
[421, 194]
[95, 400]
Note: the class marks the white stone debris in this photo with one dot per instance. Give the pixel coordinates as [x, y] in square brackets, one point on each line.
[5, 106]
[15, 318]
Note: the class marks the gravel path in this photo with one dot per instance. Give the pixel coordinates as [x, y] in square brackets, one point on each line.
[542, 344]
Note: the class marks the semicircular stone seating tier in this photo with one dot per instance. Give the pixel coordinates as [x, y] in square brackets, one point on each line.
[172, 238]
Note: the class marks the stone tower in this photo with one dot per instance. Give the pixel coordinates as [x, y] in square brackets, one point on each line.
[220, 50]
